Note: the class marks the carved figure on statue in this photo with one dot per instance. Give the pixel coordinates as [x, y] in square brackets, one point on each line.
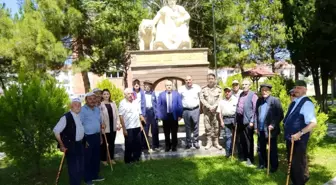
[146, 34]
[172, 27]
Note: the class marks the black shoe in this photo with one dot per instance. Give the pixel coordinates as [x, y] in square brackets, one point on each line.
[260, 167]
[188, 147]
[272, 170]
[167, 149]
[228, 155]
[174, 149]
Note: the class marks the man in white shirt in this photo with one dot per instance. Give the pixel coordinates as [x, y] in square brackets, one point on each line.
[227, 110]
[69, 133]
[236, 91]
[191, 111]
[130, 117]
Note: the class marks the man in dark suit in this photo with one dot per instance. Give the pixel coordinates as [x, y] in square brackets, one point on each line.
[169, 105]
[269, 114]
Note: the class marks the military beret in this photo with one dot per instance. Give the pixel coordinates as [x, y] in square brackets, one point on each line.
[266, 85]
[227, 89]
[300, 83]
[148, 82]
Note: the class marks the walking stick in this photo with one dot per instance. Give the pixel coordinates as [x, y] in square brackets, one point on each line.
[269, 151]
[108, 152]
[290, 161]
[234, 141]
[143, 130]
[60, 168]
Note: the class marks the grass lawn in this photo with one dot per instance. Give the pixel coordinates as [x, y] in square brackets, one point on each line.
[187, 171]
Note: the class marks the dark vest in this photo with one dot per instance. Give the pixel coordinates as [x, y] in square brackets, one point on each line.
[295, 122]
[248, 108]
[68, 135]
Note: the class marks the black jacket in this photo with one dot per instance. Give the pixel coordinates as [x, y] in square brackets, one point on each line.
[273, 116]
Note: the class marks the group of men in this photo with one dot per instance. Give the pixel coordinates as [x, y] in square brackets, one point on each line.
[240, 114]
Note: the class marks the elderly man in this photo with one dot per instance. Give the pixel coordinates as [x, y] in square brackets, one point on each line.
[291, 95]
[299, 122]
[170, 112]
[227, 111]
[210, 98]
[151, 116]
[269, 114]
[98, 93]
[245, 118]
[191, 111]
[130, 118]
[236, 91]
[69, 133]
[90, 117]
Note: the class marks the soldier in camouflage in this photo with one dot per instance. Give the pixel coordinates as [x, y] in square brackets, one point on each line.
[210, 97]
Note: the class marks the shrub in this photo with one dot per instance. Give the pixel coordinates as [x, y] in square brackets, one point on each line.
[29, 111]
[238, 77]
[116, 94]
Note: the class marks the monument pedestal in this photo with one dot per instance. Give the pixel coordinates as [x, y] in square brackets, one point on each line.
[158, 65]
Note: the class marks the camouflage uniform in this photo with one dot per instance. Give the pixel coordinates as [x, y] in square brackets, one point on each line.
[210, 98]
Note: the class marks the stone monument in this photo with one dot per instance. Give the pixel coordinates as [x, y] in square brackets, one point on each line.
[165, 48]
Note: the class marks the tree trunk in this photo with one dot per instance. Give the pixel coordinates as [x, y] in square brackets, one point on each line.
[325, 79]
[86, 81]
[333, 87]
[2, 84]
[296, 77]
[273, 60]
[316, 80]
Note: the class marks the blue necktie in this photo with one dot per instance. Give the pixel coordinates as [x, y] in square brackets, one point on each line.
[169, 102]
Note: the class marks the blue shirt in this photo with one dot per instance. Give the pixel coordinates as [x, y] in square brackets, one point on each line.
[91, 119]
[307, 110]
[262, 115]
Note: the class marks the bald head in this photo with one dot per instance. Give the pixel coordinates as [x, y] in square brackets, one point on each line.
[246, 85]
[188, 81]
[169, 85]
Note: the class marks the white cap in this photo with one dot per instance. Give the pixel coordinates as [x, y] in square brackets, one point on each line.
[90, 94]
[76, 100]
[235, 82]
[96, 90]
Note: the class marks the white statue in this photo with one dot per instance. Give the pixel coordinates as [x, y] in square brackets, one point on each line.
[146, 34]
[171, 31]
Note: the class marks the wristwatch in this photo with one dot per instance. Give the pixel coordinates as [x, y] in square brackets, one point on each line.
[301, 132]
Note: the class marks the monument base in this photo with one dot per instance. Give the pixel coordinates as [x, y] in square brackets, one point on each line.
[158, 65]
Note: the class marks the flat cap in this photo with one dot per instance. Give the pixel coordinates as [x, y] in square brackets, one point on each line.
[76, 100]
[300, 83]
[148, 82]
[227, 89]
[96, 90]
[90, 94]
[266, 85]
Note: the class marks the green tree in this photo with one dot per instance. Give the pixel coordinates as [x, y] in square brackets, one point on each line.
[30, 109]
[116, 94]
[98, 32]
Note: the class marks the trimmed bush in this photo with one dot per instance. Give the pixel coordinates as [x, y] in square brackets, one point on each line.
[29, 111]
[116, 94]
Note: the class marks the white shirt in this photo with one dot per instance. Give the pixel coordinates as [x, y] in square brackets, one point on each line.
[60, 126]
[169, 99]
[228, 107]
[237, 95]
[148, 100]
[190, 96]
[130, 113]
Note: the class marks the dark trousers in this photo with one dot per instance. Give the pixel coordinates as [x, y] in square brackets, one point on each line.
[262, 153]
[103, 150]
[152, 124]
[92, 157]
[228, 134]
[245, 140]
[75, 162]
[191, 121]
[132, 145]
[170, 126]
[299, 169]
